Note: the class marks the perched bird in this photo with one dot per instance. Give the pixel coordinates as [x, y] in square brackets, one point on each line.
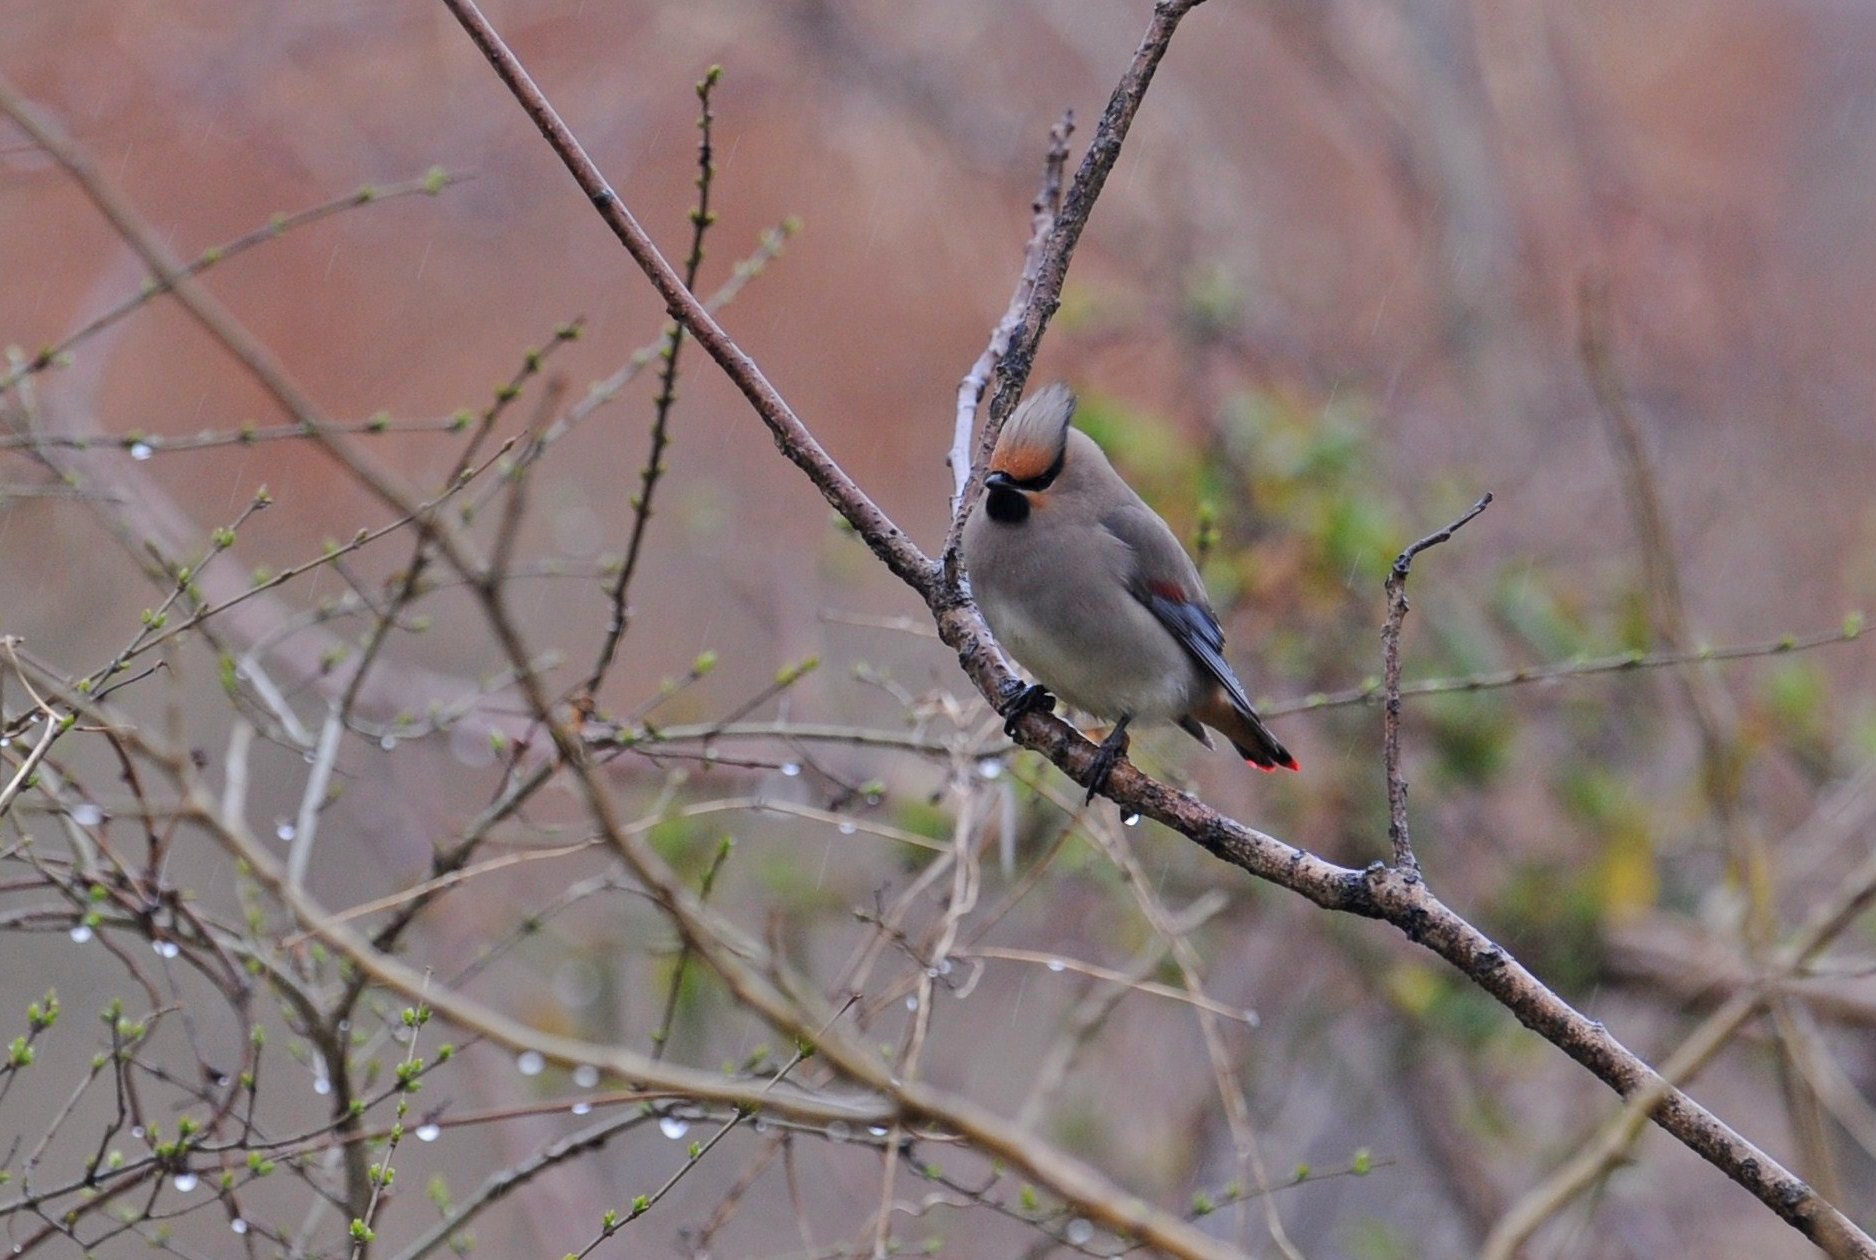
[1091, 592]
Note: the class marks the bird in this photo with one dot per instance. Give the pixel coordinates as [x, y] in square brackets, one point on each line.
[1091, 592]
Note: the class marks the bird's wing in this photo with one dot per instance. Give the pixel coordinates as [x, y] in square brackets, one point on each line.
[1166, 581]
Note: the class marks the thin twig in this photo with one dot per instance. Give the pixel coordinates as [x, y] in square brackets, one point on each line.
[23, 775]
[1047, 205]
[431, 183]
[313, 799]
[1396, 587]
[1622, 662]
[500, 1184]
[661, 1036]
[701, 217]
[1056, 962]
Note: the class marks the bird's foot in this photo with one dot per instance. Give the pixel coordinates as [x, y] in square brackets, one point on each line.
[1021, 701]
[1112, 749]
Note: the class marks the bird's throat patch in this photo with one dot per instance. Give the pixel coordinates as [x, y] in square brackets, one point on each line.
[1007, 506]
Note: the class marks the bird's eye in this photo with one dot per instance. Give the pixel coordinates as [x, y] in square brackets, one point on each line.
[1006, 505]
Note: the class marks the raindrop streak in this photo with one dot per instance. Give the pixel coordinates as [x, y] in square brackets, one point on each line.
[166, 949]
[790, 769]
[140, 450]
[529, 1063]
[576, 983]
[187, 1181]
[582, 1108]
[85, 814]
[81, 933]
[586, 1076]
[1079, 1232]
[429, 1132]
[673, 1127]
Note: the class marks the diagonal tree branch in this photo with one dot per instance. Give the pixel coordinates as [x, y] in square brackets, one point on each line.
[890, 543]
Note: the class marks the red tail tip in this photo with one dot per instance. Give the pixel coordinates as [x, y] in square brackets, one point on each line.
[1287, 764]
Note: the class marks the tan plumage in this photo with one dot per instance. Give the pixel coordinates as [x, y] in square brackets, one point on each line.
[1091, 592]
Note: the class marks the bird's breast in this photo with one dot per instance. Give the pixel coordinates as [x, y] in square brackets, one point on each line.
[1097, 648]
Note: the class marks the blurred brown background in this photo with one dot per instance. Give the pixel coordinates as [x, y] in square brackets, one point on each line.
[1332, 291]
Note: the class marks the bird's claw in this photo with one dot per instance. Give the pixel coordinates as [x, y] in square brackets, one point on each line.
[1031, 699]
[1111, 750]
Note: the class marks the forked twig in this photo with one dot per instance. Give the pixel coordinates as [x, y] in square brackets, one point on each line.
[1396, 587]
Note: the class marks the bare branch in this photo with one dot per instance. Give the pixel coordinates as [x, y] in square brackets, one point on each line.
[701, 218]
[886, 539]
[1396, 586]
[1620, 663]
[1047, 205]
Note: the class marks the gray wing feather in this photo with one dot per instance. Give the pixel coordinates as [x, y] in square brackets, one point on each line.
[1167, 582]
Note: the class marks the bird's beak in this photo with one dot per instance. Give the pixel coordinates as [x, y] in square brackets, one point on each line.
[996, 480]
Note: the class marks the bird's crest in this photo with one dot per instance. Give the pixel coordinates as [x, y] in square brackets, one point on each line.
[1033, 438]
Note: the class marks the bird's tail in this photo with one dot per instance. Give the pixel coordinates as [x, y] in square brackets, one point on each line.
[1246, 731]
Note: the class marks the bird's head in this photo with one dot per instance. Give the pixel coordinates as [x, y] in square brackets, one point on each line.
[1029, 456]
